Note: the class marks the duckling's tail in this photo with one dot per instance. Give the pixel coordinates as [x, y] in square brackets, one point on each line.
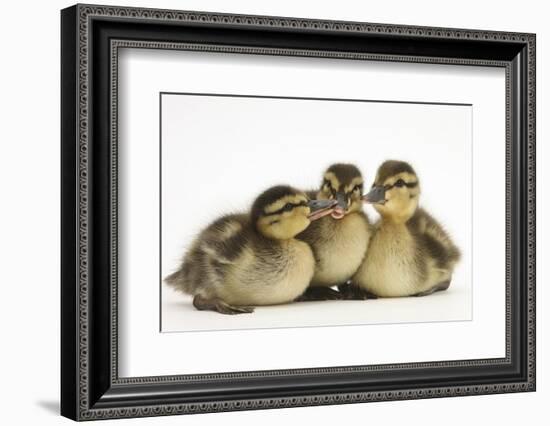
[172, 279]
[176, 280]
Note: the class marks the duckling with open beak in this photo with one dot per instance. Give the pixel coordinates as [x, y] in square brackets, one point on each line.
[339, 240]
[321, 208]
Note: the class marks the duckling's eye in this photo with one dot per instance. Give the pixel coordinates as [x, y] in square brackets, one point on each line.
[357, 188]
[400, 183]
[288, 207]
[328, 185]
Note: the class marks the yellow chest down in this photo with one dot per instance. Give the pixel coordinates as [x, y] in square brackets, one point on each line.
[249, 283]
[339, 256]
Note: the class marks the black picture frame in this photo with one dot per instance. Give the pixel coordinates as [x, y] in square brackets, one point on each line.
[90, 386]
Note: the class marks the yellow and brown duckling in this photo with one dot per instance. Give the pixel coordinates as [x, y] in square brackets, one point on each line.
[410, 254]
[246, 260]
[338, 240]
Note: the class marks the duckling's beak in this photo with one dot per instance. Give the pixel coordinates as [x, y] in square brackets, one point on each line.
[377, 195]
[320, 208]
[341, 206]
[342, 200]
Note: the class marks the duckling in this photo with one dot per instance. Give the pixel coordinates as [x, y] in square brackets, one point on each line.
[339, 240]
[410, 254]
[246, 260]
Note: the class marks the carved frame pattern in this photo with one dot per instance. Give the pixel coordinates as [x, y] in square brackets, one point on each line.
[85, 13]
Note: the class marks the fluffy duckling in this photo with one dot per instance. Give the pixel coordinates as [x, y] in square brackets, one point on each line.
[246, 260]
[410, 254]
[339, 240]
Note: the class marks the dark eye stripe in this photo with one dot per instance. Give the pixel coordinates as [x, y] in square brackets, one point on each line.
[329, 186]
[287, 207]
[352, 190]
[407, 184]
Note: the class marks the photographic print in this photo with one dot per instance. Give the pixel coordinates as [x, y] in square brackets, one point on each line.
[303, 212]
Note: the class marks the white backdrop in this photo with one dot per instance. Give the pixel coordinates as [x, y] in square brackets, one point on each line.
[29, 164]
[218, 153]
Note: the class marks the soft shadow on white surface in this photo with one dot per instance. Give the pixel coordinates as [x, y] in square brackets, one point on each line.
[52, 407]
[178, 313]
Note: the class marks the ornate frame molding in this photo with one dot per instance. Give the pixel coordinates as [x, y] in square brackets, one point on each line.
[87, 407]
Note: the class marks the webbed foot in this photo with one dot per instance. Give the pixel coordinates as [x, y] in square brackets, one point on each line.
[218, 305]
[319, 293]
[438, 287]
[351, 292]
